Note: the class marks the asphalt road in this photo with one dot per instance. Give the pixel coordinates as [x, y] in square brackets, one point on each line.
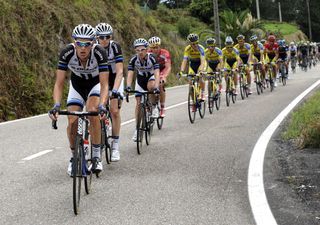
[190, 174]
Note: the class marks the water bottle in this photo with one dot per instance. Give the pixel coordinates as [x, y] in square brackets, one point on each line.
[86, 148]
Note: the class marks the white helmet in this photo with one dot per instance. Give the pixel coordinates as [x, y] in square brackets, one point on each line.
[154, 41]
[104, 29]
[291, 43]
[84, 31]
[140, 42]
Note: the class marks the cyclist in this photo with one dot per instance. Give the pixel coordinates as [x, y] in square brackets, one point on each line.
[213, 56]
[271, 54]
[164, 59]
[245, 56]
[88, 86]
[283, 53]
[303, 54]
[257, 54]
[293, 53]
[104, 34]
[147, 78]
[231, 60]
[194, 53]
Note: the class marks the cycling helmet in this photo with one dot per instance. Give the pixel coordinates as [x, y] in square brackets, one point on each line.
[104, 29]
[193, 38]
[240, 37]
[253, 38]
[271, 38]
[211, 41]
[140, 42]
[262, 41]
[84, 31]
[229, 41]
[291, 43]
[154, 41]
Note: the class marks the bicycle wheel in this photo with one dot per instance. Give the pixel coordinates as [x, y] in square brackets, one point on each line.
[141, 126]
[217, 100]
[88, 174]
[242, 88]
[77, 174]
[105, 140]
[210, 97]
[234, 97]
[159, 120]
[148, 125]
[191, 106]
[283, 77]
[202, 108]
[258, 82]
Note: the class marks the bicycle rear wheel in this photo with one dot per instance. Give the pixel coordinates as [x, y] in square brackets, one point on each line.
[159, 120]
[77, 174]
[149, 126]
[191, 106]
[141, 127]
[234, 98]
[210, 98]
[283, 78]
[242, 88]
[105, 140]
[202, 107]
[217, 100]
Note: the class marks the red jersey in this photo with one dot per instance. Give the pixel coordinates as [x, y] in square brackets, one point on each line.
[163, 58]
[271, 49]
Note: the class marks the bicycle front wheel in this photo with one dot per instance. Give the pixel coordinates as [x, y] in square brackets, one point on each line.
[242, 88]
[217, 100]
[141, 127]
[77, 174]
[210, 98]
[191, 106]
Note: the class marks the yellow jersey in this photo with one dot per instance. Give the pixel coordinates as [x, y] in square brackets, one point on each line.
[194, 55]
[244, 51]
[214, 55]
[257, 50]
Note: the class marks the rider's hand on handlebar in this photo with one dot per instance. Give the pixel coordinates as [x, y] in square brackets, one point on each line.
[102, 111]
[53, 112]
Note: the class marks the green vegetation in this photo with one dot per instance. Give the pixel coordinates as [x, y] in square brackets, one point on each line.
[282, 28]
[304, 124]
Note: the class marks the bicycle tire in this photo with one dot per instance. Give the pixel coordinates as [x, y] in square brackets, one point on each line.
[105, 143]
[234, 98]
[149, 126]
[140, 129]
[202, 108]
[283, 78]
[191, 106]
[218, 101]
[242, 89]
[88, 177]
[159, 120]
[77, 174]
[210, 97]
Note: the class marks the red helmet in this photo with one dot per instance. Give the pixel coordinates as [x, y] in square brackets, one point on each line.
[271, 38]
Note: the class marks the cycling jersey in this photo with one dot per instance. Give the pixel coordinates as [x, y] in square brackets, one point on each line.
[145, 69]
[243, 52]
[256, 50]
[84, 82]
[114, 54]
[192, 54]
[230, 57]
[293, 50]
[162, 58]
[271, 50]
[213, 57]
[282, 52]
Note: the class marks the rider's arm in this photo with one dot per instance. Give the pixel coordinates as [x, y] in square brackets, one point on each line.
[58, 86]
[157, 77]
[104, 87]
[119, 65]
[167, 66]
[183, 64]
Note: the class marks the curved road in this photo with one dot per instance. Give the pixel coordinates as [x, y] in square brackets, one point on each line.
[190, 174]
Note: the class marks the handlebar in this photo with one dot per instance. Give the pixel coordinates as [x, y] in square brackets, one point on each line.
[138, 92]
[73, 113]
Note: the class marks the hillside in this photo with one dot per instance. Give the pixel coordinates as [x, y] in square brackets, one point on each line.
[33, 32]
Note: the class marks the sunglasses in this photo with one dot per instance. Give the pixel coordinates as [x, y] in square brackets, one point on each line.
[155, 47]
[83, 44]
[141, 50]
[106, 37]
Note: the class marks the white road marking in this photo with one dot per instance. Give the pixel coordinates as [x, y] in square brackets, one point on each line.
[122, 124]
[257, 196]
[37, 155]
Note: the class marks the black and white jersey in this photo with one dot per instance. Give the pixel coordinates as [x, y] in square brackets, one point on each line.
[145, 67]
[96, 63]
[114, 54]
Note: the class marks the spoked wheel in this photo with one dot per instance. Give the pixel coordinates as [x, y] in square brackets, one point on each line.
[283, 78]
[217, 100]
[234, 97]
[77, 174]
[242, 88]
[202, 108]
[88, 177]
[105, 140]
[159, 122]
[210, 100]
[141, 127]
[228, 97]
[191, 106]
[149, 128]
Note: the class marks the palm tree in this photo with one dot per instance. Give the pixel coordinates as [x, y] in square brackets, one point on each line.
[235, 23]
